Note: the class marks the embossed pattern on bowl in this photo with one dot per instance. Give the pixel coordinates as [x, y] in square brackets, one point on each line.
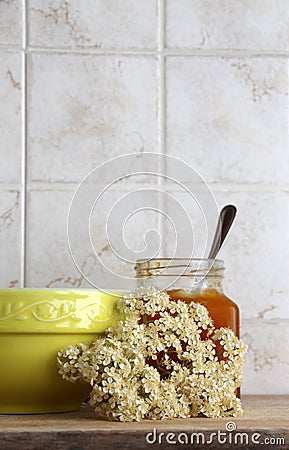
[34, 325]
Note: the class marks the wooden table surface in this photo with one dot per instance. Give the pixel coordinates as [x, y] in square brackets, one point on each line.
[265, 424]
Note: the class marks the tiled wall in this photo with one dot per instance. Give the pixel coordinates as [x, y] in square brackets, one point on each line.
[83, 81]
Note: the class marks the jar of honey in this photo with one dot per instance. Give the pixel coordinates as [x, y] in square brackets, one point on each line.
[192, 280]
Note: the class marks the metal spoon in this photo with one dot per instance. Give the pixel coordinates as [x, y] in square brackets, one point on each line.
[226, 218]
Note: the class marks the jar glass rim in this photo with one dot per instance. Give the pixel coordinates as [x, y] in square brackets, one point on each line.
[199, 267]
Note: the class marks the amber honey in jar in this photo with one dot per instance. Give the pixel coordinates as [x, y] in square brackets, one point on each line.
[192, 280]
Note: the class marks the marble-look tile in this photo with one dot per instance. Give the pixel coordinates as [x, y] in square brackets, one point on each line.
[86, 109]
[227, 117]
[10, 117]
[11, 23]
[267, 366]
[188, 222]
[10, 260]
[118, 236]
[49, 263]
[219, 24]
[255, 253]
[93, 23]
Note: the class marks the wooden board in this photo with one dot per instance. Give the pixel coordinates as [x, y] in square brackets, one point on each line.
[265, 424]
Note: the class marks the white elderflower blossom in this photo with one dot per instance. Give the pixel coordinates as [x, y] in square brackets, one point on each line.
[156, 363]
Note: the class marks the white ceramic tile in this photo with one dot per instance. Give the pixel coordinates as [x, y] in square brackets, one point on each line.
[250, 24]
[188, 222]
[117, 231]
[10, 116]
[256, 252]
[11, 23]
[266, 370]
[227, 117]
[10, 238]
[48, 260]
[93, 23]
[84, 110]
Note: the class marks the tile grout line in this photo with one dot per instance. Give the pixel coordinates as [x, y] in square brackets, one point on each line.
[219, 187]
[24, 151]
[161, 113]
[178, 52]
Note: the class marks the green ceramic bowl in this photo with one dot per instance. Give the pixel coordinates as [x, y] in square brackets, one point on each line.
[34, 325]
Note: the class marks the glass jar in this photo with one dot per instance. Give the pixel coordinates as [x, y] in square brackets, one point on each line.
[192, 280]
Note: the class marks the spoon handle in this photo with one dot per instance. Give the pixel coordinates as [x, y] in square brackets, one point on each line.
[226, 218]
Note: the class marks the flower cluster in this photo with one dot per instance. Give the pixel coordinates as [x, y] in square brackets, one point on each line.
[159, 362]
